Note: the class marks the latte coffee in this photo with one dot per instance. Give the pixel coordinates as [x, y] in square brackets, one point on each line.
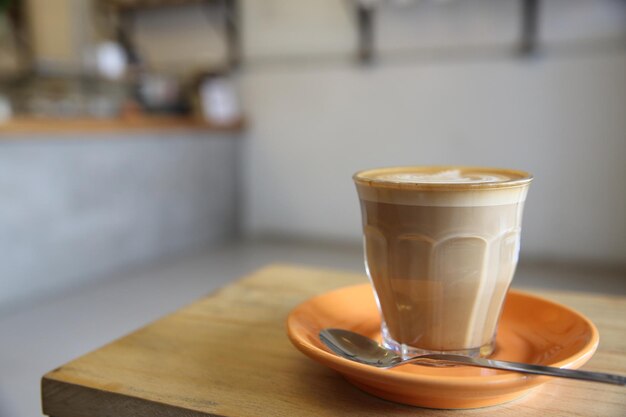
[441, 247]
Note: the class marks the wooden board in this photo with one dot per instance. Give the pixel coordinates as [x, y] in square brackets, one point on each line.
[228, 355]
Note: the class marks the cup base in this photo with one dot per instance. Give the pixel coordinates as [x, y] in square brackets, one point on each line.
[407, 351]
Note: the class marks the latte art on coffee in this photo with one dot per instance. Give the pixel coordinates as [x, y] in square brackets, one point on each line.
[451, 176]
[443, 186]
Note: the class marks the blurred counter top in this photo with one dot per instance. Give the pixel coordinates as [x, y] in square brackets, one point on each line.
[31, 124]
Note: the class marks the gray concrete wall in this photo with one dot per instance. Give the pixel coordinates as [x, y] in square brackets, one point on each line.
[73, 209]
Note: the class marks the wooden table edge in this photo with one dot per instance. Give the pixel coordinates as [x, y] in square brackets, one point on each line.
[115, 404]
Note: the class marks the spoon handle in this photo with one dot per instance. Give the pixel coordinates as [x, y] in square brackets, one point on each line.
[523, 367]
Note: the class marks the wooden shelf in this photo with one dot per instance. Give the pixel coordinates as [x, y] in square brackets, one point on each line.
[147, 4]
[134, 123]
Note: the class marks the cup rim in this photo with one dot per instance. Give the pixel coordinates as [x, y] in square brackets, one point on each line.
[368, 177]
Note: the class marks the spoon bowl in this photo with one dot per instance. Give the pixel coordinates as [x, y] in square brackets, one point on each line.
[359, 348]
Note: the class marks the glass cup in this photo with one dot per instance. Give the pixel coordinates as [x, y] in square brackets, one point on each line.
[441, 246]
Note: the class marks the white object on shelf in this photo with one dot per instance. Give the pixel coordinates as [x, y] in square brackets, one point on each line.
[219, 100]
[111, 60]
[6, 111]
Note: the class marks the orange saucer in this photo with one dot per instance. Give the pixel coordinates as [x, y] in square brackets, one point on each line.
[532, 330]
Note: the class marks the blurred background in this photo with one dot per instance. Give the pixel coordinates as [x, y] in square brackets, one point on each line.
[154, 150]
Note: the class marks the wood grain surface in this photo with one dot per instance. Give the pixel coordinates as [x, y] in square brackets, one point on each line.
[228, 355]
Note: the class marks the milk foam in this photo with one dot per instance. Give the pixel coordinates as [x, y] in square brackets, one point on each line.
[450, 176]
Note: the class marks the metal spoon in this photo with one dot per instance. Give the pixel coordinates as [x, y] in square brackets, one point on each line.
[357, 348]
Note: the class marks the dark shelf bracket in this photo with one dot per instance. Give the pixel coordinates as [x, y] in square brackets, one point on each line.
[232, 25]
[365, 26]
[529, 27]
